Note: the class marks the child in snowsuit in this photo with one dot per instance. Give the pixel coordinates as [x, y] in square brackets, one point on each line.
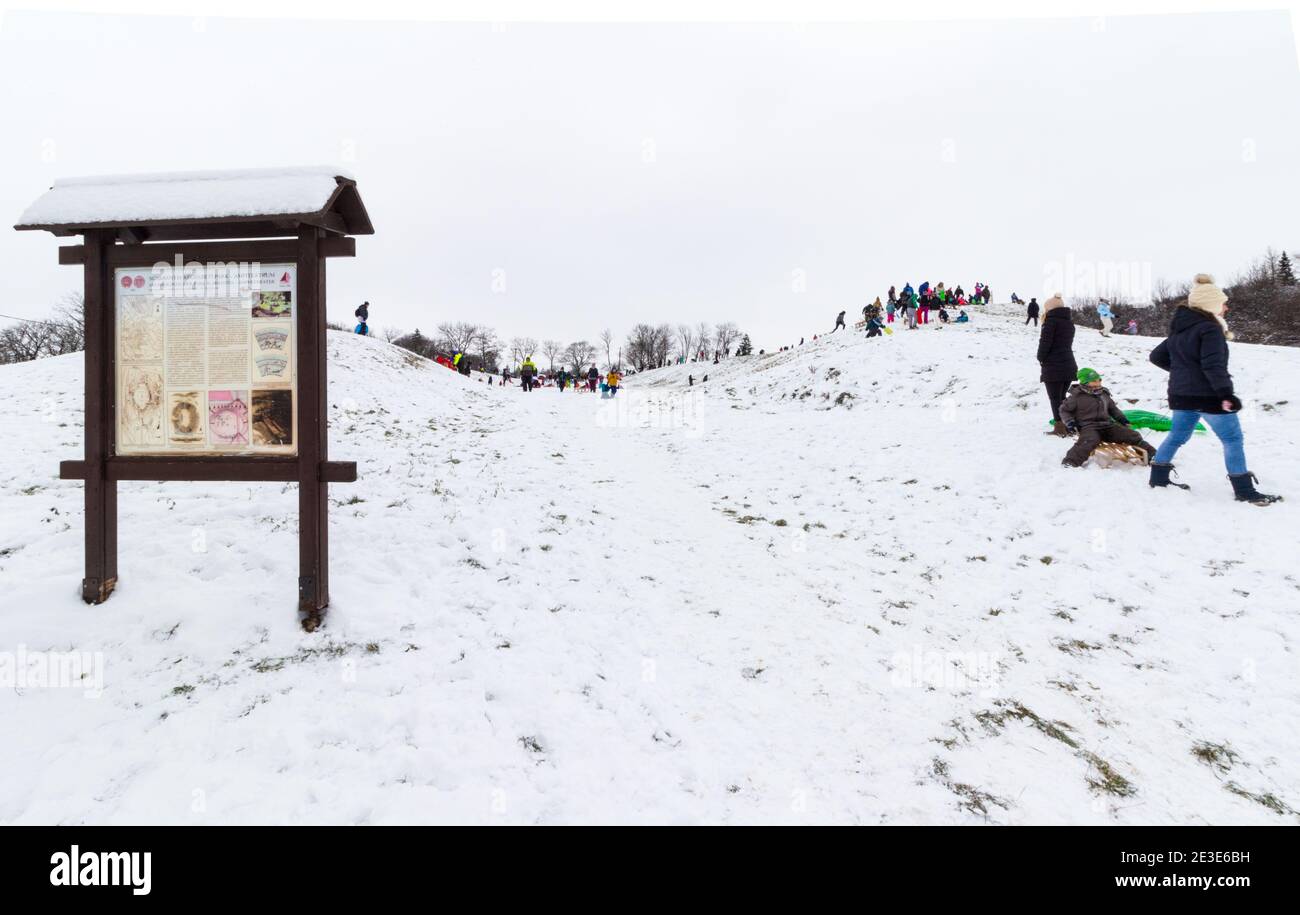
[1089, 411]
[874, 326]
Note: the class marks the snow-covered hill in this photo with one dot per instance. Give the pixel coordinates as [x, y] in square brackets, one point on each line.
[846, 583]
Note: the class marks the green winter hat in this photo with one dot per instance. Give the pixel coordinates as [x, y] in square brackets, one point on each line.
[1087, 375]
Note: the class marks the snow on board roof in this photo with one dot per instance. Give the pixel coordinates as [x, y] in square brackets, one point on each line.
[182, 196]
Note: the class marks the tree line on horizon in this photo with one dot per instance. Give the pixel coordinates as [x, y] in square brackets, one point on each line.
[1263, 303]
[646, 345]
[1264, 300]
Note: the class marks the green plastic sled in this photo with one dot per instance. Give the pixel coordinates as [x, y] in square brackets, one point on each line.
[1156, 422]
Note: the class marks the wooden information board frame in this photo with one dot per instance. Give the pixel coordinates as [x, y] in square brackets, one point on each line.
[314, 238]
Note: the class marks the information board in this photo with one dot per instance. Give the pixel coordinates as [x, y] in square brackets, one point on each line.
[206, 360]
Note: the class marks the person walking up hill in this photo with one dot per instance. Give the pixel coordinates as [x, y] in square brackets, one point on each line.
[1107, 317]
[527, 373]
[1195, 354]
[1056, 357]
[1031, 311]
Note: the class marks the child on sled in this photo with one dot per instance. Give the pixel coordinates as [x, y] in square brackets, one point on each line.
[1089, 412]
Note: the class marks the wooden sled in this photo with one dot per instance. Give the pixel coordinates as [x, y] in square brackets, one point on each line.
[1108, 453]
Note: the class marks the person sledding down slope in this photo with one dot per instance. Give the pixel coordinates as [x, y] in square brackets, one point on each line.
[1195, 354]
[1090, 412]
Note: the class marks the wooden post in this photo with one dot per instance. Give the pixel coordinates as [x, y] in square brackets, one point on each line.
[313, 492]
[100, 422]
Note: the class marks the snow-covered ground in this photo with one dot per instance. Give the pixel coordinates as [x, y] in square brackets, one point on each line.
[848, 583]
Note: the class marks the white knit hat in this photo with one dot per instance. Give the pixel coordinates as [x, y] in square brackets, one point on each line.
[1207, 297]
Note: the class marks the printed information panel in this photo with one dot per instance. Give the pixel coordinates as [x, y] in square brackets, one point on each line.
[206, 360]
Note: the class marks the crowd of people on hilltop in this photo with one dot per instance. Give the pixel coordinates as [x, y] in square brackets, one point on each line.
[925, 304]
[917, 305]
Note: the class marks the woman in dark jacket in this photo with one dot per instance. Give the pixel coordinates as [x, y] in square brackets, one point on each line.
[1195, 354]
[1056, 356]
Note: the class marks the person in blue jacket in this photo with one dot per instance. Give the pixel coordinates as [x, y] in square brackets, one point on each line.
[1107, 317]
[1195, 354]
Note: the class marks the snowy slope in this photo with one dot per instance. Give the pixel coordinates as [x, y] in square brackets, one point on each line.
[848, 583]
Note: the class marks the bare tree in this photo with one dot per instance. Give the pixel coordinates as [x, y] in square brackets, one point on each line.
[640, 346]
[703, 337]
[64, 333]
[390, 333]
[22, 342]
[458, 336]
[1161, 290]
[487, 347]
[70, 321]
[663, 344]
[725, 335]
[552, 349]
[686, 341]
[578, 354]
[607, 341]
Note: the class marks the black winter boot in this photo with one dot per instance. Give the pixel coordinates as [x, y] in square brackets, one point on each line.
[1160, 476]
[1058, 429]
[1243, 487]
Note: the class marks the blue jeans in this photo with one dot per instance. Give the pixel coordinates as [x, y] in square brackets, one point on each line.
[1225, 425]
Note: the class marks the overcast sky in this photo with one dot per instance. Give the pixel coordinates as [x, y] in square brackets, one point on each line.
[552, 180]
